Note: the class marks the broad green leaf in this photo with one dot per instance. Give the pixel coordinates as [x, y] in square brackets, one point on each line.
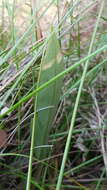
[48, 99]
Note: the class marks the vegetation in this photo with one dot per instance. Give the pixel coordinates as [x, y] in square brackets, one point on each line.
[53, 95]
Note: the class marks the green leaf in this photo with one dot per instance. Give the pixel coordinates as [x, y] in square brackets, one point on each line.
[48, 99]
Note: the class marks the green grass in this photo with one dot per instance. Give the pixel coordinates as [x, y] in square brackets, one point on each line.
[54, 90]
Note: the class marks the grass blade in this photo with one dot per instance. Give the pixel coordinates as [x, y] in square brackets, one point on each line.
[58, 187]
[51, 65]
